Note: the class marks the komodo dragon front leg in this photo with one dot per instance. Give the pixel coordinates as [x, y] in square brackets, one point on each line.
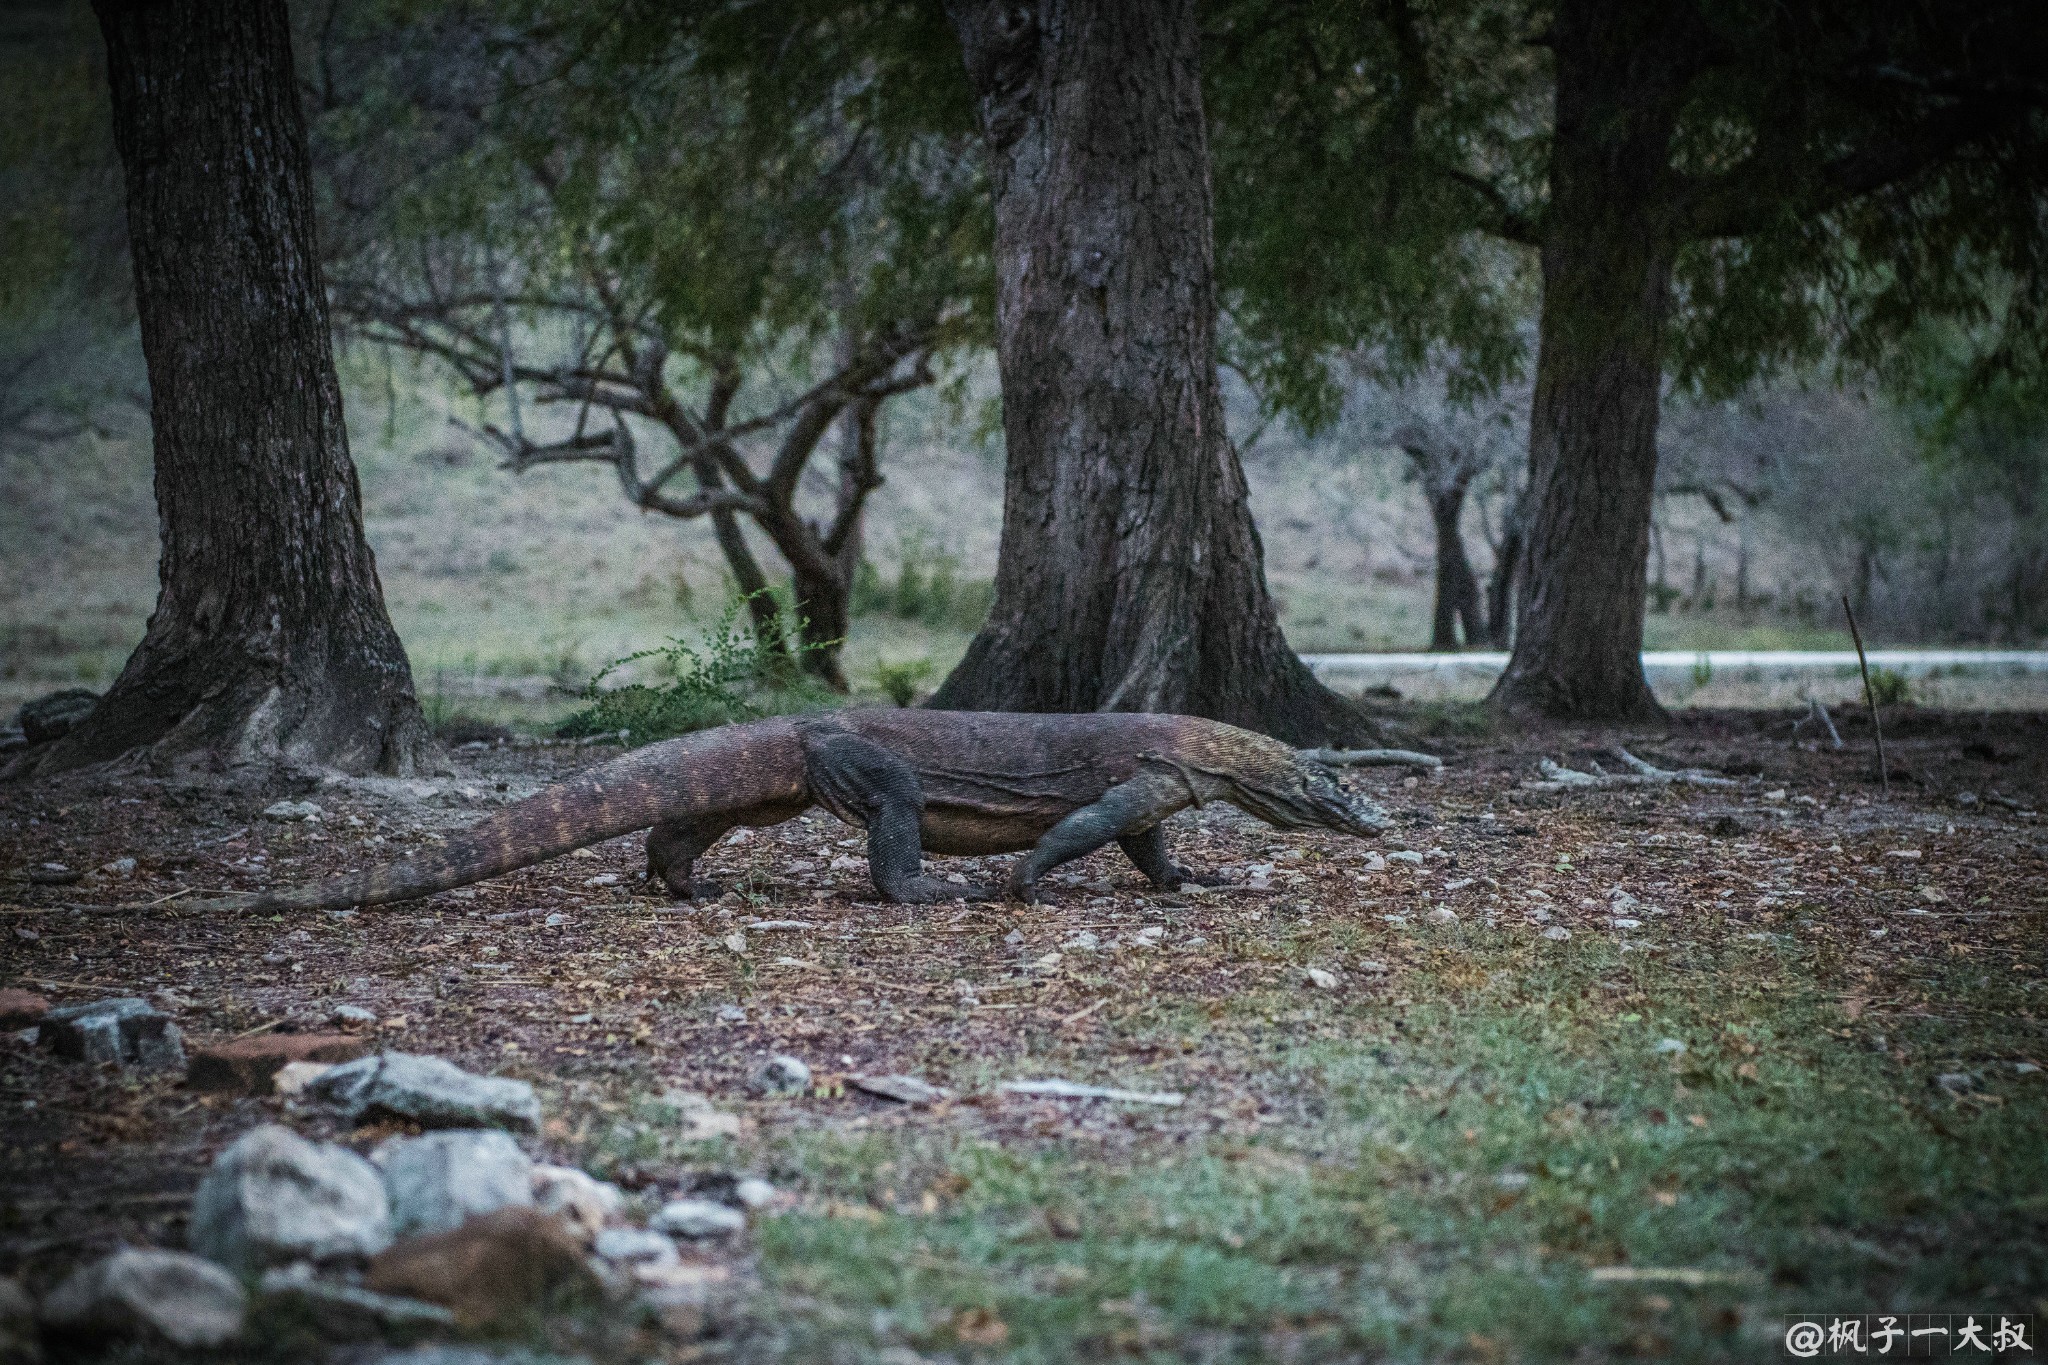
[1129, 813]
[865, 784]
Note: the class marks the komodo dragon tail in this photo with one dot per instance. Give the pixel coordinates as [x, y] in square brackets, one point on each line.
[730, 768]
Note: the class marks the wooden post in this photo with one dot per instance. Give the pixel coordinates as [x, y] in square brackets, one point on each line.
[1884, 780]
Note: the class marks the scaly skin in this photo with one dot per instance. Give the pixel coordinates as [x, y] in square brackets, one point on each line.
[956, 782]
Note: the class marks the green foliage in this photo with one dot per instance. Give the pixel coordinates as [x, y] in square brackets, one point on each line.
[1336, 131]
[928, 589]
[1890, 687]
[732, 674]
[903, 681]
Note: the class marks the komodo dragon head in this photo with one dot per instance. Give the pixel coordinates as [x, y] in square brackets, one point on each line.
[1289, 788]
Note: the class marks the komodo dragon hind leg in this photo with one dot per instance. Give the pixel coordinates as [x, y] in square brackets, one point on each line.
[1129, 813]
[1147, 851]
[857, 778]
[673, 847]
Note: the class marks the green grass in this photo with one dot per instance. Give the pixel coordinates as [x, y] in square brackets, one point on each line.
[1448, 1167]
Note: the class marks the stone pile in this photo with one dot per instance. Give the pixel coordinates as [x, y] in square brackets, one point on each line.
[457, 1230]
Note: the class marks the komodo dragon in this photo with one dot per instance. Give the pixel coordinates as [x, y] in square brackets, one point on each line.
[919, 781]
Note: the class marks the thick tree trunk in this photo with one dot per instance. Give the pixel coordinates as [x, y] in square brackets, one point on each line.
[1607, 261]
[1457, 587]
[1131, 577]
[269, 643]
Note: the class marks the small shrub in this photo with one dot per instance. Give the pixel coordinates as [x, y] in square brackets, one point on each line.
[733, 676]
[1702, 669]
[1890, 687]
[903, 681]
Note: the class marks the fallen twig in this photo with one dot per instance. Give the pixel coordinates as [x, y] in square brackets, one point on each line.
[1816, 712]
[1069, 1090]
[1556, 777]
[1373, 758]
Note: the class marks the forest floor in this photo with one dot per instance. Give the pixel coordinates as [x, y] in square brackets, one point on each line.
[1601, 1075]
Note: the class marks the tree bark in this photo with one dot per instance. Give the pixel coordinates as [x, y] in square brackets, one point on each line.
[1607, 254]
[1131, 577]
[1500, 586]
[269, 643]
[1457, 587]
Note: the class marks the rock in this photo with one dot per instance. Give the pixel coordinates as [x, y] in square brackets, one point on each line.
[1513, 1181]
[439, 1181]
[1320, 978]
[1557, 933]
[646, 1256]
[273, 1198]
[292, 1078]
[473, 1355]
[347, 1312]
[1406, 855]
[431, 1092]
[1669, 1046]
[289, 811]
[584, 1204]
[753, 1192]
[782, 1076]
[697, 1218]
[1082, 941]
[902, 1089]
[246, 1066]
[353, 1017]
[128, 1032]
[119, 867]
[1443, 914]
[494, 1268]
[51, 716]
[167, 1295]
[21, 1009]
[20, 1338]
[698, 1118]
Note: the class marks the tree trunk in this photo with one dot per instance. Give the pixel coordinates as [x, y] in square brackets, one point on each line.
[1607, 258]
[1457, 587]
[1507, 563]
[269, 643]
[1131, 577]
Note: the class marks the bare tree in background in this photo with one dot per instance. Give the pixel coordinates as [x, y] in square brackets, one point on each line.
[1457, 443]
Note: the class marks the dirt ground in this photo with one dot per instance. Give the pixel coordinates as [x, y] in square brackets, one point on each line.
[571, 975]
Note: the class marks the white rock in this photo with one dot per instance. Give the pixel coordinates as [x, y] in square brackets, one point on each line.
[902, 1089]
[1406, 855]
[120, 867]
[1557, 933]
[699, 1119]
[1669, 1046]
[353, 1016]
[1321, 979]
[433, 1093]
[1512, 1181]
[292, 1078]
[1443, 914]
[697, 1218]
[438, 1181]
[782, 1075]
[1375, 862]
[288, 811]
[634, 1248]
[757, 1193]
[273, 1198]
[347, 1312]
[169, 1295]
[1623, 922]
[581, 1201]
